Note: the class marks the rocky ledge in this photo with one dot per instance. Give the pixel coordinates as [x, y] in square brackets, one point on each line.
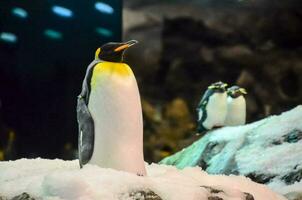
[23, 196]
[268, 151]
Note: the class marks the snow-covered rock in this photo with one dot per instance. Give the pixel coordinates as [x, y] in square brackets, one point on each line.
[268, 151]
[64, 180]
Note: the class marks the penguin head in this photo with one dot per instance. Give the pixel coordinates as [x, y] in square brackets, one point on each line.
[219, 87]
[236, 91]
[113, 51]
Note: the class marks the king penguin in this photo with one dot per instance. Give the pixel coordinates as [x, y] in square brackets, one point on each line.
[236, 114]
[109, 113]
[212, 108]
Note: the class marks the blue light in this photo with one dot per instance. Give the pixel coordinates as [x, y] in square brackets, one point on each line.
[53, 34]
[8, 37]
[19, 12]
[104, 8]
[61, 11]
[104, 32]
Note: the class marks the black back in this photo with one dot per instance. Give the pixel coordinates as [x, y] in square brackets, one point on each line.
[85, 120]
[202, 106]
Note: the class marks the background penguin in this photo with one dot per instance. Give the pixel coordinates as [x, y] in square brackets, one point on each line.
[212, 108]
[109, 113]
[236, 112]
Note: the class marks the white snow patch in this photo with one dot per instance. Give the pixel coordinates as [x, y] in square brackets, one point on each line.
[259, 155]
[64, 180]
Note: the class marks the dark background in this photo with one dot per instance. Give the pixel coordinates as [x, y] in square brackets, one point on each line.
[185, 45]
[40, 77]
[188, 44]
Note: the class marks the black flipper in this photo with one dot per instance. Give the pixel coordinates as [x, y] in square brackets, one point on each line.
[85, 120]
[202, 106]
[86, 132]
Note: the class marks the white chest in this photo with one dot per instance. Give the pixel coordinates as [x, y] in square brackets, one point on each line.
[236, 114]
[216, 110]
[115, 107]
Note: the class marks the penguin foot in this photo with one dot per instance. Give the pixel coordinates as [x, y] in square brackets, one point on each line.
[201, 128]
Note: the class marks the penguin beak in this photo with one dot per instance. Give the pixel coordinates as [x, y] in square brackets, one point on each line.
[243, 91]
[125, 45]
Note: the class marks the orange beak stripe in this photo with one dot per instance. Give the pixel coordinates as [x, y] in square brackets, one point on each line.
[121, 47]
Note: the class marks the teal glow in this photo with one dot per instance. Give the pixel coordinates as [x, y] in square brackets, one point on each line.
[19, 12]
[53, 34]
[62, 12]
[8, 37]
[104, 32]
[104, 8]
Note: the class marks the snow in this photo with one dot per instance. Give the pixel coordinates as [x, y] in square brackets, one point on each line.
[277, 160]
[257, 148]
[251, 147]
[64, 180]
[265, 158]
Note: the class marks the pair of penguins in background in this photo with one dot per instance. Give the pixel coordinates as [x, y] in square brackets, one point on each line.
[221, 107]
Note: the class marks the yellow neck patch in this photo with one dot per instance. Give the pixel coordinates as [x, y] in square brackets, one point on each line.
[105, 69]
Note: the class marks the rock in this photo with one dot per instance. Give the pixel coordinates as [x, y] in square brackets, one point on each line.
[213, 194]
[23, 196]
[211, 150]
[267, 151]
[294, 136]
[292, 177]
[212, 190]
[235, 51]
[144, 195]
[248, 196]
[214, 198]
[261, 178]
[150, 112]
[294, 196]
[178, 110]
[166, 127]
